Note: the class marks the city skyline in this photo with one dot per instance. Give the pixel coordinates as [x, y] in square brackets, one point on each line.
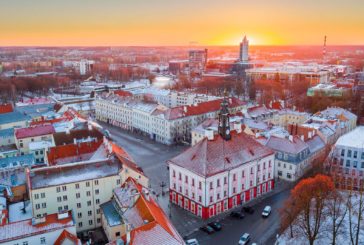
[175, 23]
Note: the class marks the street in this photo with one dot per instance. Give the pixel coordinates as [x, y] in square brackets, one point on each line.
[149, 155]
[152, 157]
[261, 230]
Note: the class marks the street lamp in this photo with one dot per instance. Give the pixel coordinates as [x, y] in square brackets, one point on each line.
[162, 185]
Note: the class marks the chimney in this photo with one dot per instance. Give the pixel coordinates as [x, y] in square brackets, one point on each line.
[89, 126]
[68, 131]
[209, 133]
[309, 135]
[74, 141]
[237, 127]
[185, 109]
[290, 138]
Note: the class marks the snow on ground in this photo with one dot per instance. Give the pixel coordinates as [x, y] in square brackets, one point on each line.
[16, 213]
[325, 237]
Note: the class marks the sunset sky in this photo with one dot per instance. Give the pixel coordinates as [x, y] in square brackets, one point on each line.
[179, 22]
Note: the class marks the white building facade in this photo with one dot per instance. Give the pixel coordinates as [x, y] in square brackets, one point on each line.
[80, 187]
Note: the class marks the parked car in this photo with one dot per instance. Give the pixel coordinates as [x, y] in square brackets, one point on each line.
[208, 229]
[238, 215]
[248, 209]
[244, 239]
[215, 225]
[192, 241]
[266, 211]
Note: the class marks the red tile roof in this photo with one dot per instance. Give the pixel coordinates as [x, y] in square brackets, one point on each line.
[57, 153]
[69, 236]
[210, 157]
[6, 108]
[159, 230]
[34, 131]
[123, 93]
[119, 151]
[201, 108]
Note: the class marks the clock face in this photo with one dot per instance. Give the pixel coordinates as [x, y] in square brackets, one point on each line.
[227, 131]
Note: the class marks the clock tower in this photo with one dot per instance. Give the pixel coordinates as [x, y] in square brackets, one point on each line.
[224, 121]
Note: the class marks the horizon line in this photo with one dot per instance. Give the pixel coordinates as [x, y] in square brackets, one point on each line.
[211, 45]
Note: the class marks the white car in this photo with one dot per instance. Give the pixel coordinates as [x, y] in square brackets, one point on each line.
[244, 239]
[192, 242]
[266, 211]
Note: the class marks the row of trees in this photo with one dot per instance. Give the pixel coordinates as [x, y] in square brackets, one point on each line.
[122, 73]
[10, 88]
[317, 210]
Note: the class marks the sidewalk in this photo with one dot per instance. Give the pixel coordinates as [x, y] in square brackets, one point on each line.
[186, 223]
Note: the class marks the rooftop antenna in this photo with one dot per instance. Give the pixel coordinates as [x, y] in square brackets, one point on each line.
[324, 50]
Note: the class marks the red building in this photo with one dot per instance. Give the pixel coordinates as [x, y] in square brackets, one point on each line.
[221, 172]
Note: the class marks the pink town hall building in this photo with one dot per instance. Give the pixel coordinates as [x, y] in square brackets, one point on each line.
[222, 171]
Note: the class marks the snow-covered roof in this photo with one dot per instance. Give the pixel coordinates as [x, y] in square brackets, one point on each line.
[12, 177]
[26, 228]
[336, 113]
[39, 145]
[73, 172]
[210, 157]
[353, 139]
[149, 223]
[315, 144]
[17, 161]
[18, 213]
[294, 146]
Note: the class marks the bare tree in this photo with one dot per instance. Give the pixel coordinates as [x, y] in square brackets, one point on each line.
[336, 210]
[355, 206]
[288, 214]
[310, 197]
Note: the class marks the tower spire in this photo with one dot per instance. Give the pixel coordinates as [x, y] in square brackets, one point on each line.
[224, 121]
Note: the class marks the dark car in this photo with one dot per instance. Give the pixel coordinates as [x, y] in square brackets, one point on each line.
[248, 209]
[216, 226]
[208, 229]
[238, 215]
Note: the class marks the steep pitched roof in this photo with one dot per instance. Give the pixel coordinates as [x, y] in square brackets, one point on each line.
[66, 235]
[285, 145]
[209, 157]
[158, 230]
[315, 144]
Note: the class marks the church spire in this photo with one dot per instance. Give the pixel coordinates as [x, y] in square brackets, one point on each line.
[224, 121]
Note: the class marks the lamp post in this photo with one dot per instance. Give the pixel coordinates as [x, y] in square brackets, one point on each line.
[162, 185]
